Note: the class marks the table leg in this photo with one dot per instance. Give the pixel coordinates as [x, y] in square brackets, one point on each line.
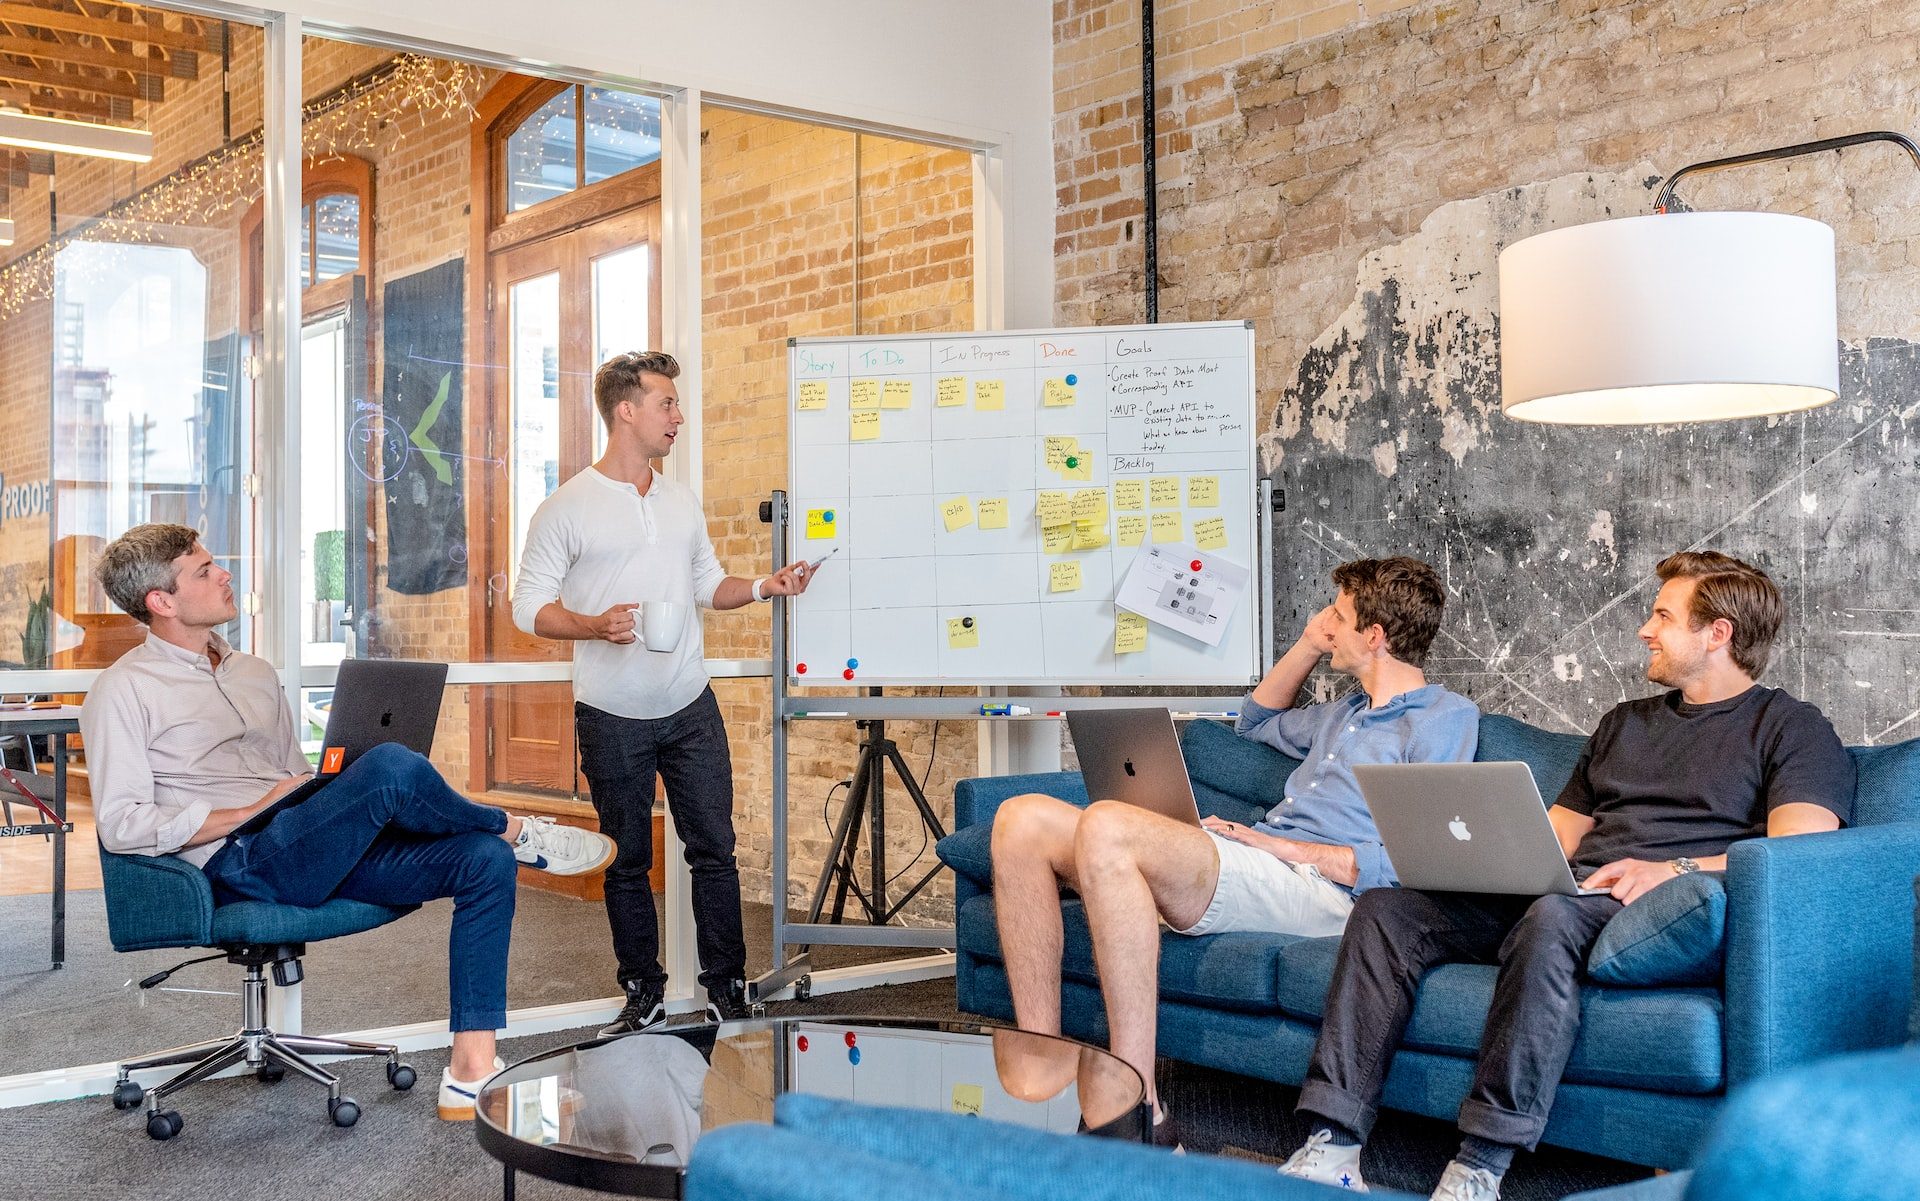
[506, 1187]
[59, 851]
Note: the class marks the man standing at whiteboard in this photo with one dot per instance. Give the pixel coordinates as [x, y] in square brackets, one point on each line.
[1297, 871]
[619, 552]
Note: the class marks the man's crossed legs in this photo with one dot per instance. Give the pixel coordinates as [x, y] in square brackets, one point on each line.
[1133, 870]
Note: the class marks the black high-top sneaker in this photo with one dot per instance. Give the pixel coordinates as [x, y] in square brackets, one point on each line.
[646, 1007]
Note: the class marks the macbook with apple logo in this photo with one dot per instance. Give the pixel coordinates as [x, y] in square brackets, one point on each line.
[1133, 755]
[1467, 827]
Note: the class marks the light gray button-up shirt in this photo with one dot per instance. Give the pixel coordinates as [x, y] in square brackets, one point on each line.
[170, 738]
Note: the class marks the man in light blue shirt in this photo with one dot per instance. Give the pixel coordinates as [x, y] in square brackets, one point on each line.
[1296, 872]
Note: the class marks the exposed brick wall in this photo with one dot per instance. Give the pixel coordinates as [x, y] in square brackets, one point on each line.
[1296, 138]
[780, 261]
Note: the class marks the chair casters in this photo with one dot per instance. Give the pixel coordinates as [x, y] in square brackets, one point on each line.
[163, 1126]
[269, 1073]
[400, 1075]
[128, 1095]
[344, 1111]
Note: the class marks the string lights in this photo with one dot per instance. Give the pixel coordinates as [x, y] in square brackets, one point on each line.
[377, 110]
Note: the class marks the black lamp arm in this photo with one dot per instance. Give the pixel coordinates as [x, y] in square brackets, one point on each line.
[1664, 202]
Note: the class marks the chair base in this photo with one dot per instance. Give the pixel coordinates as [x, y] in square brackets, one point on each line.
[255, 1046]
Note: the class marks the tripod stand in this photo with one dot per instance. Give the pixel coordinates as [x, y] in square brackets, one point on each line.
[867, 802]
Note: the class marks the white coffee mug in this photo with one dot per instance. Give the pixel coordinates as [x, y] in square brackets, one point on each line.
[660, 625]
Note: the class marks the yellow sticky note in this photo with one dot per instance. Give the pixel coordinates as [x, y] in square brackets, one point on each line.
[1090, 504]
[1210, 534]
[1129, 633]
[866, 427]
[989, 394]
[1133, 530]
[1082, 467]
[1166, 527]
[950, 391]
[813, 395]
[1064, 577]
[963, 633]
[1203, 491]
[992, 512]
[1164, 491]
[1090, 535]
[1059, 450]
[1054, 508]
[820, 523]
[1057, 539]
[898, 394]
[1129, 494]
[956, 513]
[863, 394]
[1056, 393]
[969, 1099]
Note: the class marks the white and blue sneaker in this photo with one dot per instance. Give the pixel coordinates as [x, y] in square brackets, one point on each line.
[546, 845]
[1462, 1183]
[1324, 1163]
[457, 1096]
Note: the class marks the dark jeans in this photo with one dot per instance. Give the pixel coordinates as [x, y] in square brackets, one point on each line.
[389, 831]
[620, 756]
[1393, 936]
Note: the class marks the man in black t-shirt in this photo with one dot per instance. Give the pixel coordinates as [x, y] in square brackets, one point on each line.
[1665, 784]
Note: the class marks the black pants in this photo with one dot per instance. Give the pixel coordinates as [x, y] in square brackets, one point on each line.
[1393, 937]
[689, 751]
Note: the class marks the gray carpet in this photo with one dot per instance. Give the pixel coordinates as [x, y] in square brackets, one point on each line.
[89, 1012]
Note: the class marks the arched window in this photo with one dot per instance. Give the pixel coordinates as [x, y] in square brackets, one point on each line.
[575, 136]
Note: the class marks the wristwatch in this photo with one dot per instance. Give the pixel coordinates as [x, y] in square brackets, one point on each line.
[1682, 865]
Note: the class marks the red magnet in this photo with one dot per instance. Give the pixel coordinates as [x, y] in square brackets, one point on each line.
[801, 1042]
[800, 668]
[850, 1038]
[1196, 565]
[847, 674]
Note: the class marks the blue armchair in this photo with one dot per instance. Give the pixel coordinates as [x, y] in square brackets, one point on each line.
[155, 902]
[1818, 954]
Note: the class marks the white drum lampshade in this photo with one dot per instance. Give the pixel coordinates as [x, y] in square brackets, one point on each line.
[1669, 318]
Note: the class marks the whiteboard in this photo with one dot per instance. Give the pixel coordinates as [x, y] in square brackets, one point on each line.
[935, 468]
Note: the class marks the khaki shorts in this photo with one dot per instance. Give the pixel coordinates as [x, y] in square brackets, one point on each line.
[1260, 893]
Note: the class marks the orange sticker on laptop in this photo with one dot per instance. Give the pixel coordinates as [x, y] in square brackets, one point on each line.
[333, 760]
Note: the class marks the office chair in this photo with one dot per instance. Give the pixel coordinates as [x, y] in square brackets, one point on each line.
[160, 901]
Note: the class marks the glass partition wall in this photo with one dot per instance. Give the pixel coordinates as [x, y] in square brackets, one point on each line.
[465, 244]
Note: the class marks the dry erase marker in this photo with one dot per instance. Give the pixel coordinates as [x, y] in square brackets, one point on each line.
[815, 565]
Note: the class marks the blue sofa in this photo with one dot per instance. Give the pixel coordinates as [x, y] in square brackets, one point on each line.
[1819, 950]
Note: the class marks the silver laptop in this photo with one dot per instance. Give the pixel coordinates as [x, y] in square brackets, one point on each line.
[1133, 755]
[1467, 827]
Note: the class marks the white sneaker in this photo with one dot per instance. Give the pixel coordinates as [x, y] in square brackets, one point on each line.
[1462, 1183]
[546, 845]
[1323, 1163]
[457, 1096]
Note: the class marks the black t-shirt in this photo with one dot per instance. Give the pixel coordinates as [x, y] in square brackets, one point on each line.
[1662, 778]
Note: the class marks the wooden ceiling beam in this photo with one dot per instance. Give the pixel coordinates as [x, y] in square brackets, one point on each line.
[64, 106]
[73, 54]
[140, 87]
[12, 12]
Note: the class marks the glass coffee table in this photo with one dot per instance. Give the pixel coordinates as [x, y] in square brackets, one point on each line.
[622, 1115]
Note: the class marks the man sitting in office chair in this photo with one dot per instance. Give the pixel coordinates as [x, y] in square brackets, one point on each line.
[188, 738]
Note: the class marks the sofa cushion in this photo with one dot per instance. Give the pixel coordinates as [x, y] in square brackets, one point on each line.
[1660, 1040]
[1220, 971]
[1232, 776]
[1675, 934]
[970, 853]
[1887, 787]
[1551, 756]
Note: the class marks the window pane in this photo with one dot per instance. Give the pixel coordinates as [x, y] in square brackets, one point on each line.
[622, 285]
[306, 245]
[336, 236]
[533, 369]
[623, 132]
[541, 158]
[323, 500]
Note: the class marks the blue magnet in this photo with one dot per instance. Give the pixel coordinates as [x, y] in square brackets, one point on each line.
[853, 663]
[1072, 380]
[827, 516]
[853, 1056]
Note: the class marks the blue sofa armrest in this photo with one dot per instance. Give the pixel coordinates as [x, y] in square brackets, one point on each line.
[978, 799]
[751, 1162]
[155, 901]
[1820, 945]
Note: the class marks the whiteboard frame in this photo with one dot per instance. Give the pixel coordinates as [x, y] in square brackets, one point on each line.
[1241, 671]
